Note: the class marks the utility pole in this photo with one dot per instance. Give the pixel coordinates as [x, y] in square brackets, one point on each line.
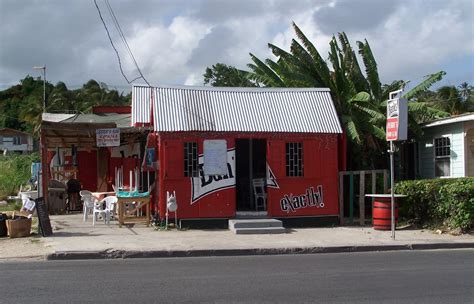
[44, 84]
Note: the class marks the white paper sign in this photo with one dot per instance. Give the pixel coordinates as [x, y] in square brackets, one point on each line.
[107, 137]
[215, 157]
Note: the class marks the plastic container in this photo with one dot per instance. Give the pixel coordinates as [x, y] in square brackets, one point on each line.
[3, 225]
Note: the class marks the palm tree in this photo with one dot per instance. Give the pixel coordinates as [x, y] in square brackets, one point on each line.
[465, 91]
[360, 99]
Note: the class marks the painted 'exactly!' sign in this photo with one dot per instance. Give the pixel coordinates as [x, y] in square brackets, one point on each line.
[311, 198]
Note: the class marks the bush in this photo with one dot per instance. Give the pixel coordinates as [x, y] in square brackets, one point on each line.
[15, 170]
[448, 202]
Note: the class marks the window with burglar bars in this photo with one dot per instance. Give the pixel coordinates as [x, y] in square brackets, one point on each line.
[191, 165]
[294, 159]
[442, 151]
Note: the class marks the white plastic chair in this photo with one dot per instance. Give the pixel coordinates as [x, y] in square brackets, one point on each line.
[88, 201]
[106, 211]
[111, 205]
[259, 193]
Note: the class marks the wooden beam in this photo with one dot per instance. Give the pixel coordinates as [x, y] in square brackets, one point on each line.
[362, 198]
[341, 199]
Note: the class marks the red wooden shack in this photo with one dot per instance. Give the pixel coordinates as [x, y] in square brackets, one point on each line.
[214, 146]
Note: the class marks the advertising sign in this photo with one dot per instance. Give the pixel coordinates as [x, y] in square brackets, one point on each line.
[207, 184]
[397, 119]
[107, 137]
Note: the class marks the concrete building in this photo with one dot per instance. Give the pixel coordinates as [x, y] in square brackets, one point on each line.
[16, 141]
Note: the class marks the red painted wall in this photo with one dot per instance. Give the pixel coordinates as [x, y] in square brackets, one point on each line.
[314, 194]
[87, 163]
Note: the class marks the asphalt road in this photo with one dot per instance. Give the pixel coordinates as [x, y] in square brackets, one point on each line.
[376, 277]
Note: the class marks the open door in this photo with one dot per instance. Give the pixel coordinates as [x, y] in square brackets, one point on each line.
[250, 167]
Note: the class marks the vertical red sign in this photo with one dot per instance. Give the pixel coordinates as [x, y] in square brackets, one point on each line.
[392, 128]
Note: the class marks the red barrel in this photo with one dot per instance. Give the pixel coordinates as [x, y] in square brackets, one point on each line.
[381, 214]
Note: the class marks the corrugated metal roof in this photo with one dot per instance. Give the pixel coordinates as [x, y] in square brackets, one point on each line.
[302, 110]
[121, 120]
[55, 117]
[449, 120]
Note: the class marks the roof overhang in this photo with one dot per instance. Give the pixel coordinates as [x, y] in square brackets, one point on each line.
[450, 120]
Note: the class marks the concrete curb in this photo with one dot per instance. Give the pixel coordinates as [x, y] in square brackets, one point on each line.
[124, 254]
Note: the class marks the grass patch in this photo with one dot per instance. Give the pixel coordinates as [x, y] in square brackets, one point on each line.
[11, 206]
[15, 170]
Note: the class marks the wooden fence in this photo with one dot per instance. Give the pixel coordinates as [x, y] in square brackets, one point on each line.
[361, 175]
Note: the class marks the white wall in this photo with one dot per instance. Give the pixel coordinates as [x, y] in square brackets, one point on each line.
[455, 132]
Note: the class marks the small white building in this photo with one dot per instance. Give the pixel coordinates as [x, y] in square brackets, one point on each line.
[12, 140]
[447, 147]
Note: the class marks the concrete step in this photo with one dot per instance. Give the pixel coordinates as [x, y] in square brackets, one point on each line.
[261, 230]
[256, 226]
[254, 223]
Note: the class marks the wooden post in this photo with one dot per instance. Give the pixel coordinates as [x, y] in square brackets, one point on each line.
[44, 166]
[351, 197]
[374, 187]
[341, 198]
[362, 198]
[385, 181]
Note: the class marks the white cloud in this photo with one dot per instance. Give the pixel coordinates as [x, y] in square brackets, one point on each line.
[173, 43]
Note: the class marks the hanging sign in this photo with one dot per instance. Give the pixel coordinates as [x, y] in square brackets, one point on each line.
[397, 119]
[107, 137]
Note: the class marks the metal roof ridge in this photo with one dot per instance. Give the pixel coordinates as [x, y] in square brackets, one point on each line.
[237, 89]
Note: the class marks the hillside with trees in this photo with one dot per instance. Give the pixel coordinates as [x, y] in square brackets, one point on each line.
[21, 105]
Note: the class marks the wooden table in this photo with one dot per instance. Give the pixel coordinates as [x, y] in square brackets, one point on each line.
[130, 215]
[101, 195]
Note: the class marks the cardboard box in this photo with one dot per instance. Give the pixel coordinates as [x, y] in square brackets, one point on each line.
[19, 227]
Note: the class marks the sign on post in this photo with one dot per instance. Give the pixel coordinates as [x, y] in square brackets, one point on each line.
[108, 137]
[397, 119]
[397, 124]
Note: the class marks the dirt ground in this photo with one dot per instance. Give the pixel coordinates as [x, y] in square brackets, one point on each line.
[32, 247]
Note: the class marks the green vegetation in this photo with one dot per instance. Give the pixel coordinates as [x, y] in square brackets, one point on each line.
[21, 105]
[15, 170]
[448, 203]
[359, 96]
[11, 206]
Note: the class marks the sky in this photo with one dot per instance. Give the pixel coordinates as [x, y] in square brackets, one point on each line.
[173, 41]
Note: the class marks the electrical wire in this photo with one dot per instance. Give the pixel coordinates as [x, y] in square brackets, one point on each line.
[111, 42]
[124, 40]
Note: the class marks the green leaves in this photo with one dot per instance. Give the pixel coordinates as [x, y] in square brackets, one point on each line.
[424, 85]
[360, 99]
[370, 69]
[21, 106]
[445, 202]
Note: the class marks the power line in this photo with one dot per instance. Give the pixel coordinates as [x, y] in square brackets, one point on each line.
[111, 42]
[124, 41]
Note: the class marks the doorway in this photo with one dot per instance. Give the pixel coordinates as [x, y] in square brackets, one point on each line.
[251, 163]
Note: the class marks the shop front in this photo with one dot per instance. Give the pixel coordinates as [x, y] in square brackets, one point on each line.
[231, 152]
